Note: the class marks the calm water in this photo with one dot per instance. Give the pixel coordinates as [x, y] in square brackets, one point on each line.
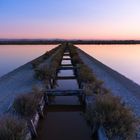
[66, 73]
[123, 58]
[64, 120]
[13, 56]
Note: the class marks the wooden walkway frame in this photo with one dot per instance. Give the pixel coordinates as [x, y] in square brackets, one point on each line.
[67, 68]
[66, 65]
[66, 59]
[55, 92]
[65, 77]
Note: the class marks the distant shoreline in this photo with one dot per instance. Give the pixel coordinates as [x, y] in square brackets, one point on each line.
[54, 42]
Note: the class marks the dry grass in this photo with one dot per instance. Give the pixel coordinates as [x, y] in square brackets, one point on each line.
[26, 104]
[85, 74]
[86, 78]
[48, 72]
[110, 112]
[91, 88]
[45, 56]
[11, 128]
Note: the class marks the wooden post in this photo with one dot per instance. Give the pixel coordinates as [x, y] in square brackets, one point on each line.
[83, 99]
[51, 83]
[94, 131]
[32, 128]
[101, 133]
[46, 98]
[40, 111]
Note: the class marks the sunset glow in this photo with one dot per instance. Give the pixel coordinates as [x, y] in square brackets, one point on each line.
[74, 19]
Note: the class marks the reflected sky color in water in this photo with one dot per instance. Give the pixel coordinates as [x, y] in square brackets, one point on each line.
[70, 84]
[67, 57]
[65, 73]
[13, 56]
[66, 62]
[122, 58]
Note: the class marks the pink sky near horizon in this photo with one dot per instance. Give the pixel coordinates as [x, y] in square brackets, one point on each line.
[98, 19]
[72, 32]
[122, 58]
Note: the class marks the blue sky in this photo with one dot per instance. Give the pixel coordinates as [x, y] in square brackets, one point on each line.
[87, 19]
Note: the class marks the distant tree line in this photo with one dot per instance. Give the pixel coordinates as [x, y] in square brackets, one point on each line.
[60, 41]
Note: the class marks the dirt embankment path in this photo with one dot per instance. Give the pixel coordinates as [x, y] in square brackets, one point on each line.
[117, 83]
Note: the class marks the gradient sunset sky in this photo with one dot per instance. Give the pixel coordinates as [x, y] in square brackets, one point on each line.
[70, 19]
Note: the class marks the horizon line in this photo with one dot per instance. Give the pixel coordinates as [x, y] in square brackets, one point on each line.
[69, 39]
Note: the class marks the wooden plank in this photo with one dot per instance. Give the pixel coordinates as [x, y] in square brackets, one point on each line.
[66, 54]
[53, 92]
[66, 77]
[66, 68]
[66, 65]
[66, 59]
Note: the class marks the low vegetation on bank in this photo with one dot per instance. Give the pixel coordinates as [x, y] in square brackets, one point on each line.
[12, 128]
[26, 104]
[117, 119]
[42, 58]
[87, 80]
[105, 110]
[47, 71]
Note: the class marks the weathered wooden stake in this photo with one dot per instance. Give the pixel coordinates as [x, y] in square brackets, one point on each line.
[32, 128]
[40, 111]
[46, 99]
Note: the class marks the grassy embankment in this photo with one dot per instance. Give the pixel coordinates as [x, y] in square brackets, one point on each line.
[106, 110]
[14, 125]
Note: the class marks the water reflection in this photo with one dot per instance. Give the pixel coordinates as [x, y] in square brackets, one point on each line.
[65, 100]
[70, 84]
[66, 53]
[13, 56]
[64, 120]
[65, 73]
[122, 58]
[64, 125]
[66, 62]
[66, 57]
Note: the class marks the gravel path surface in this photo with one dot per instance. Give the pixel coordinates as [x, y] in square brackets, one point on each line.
[16, 82]
[19, 81]
[117, 83]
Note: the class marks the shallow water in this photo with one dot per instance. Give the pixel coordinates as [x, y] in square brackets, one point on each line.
[64, 125]
[68, 57]
[65, 100]
[70, 84]
[66, 62]
[13, 56]
[122, 58]
[64, 120]
[66, 73]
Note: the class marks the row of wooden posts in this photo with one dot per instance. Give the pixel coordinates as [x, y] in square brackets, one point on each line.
[33, 123]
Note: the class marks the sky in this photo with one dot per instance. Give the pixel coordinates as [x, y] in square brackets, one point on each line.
[70, 19]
